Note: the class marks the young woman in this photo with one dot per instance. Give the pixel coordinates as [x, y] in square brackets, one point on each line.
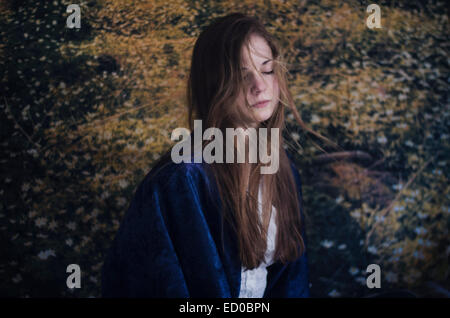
[219, 229]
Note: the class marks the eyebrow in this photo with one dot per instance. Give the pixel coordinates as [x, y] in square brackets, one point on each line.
[263, 63]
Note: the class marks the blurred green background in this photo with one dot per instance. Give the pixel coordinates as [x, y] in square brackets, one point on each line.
[85, 113]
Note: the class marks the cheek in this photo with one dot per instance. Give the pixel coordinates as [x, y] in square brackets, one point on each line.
[241, 99]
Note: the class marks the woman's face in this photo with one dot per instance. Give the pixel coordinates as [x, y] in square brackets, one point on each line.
[261, 90]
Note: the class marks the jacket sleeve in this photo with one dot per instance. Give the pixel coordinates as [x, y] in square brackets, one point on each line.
[292, 279]
[163, 247]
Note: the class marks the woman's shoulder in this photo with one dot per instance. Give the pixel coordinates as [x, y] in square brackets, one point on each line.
[167, 190]
[165, 167]
[166, 173]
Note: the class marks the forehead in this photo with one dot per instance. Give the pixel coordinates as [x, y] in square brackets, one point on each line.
[258, 51]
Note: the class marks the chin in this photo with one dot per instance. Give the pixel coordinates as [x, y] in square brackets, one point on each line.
[263, 114]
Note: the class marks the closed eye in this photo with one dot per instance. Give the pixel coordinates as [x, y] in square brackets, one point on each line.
[248, 74]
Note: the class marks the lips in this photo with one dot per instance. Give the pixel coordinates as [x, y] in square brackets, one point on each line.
[261, 104]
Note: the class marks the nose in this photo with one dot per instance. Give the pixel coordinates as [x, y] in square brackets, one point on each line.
[258, 84]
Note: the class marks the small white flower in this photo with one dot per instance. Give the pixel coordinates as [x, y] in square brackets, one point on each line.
[105, 195]
[40, 222]
[25, 187]
[409, 200]
[52, 225]
[69, 242]
[382, 139]
[123, 183]
[420, 230]
[33, 152]
[295, 136]
[353, 271]
[327, 243]
[422, 215]
[372, 249]
[16, 279]
[342, 247]
[334, 293]
[45, 254]
[315, 119]
[409, 143]
[71, 225]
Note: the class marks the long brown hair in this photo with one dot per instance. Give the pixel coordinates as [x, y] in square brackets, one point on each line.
[215, 81]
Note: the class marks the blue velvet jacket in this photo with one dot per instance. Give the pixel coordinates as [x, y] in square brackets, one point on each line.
[170, 243]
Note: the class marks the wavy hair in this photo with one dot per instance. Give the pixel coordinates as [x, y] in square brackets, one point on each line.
[215, 82]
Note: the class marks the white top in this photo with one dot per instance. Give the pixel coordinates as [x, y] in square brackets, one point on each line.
[253, 282]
